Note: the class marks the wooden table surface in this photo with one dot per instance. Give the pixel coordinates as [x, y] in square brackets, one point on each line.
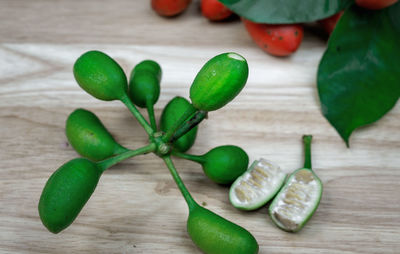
[136, 207]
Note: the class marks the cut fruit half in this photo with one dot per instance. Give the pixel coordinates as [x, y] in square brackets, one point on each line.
[257, 185]
[297, 201]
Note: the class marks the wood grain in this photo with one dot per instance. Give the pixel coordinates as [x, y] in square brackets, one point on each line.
[136, 207]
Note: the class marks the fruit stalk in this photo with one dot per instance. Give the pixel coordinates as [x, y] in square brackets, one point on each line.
[191, 157]
[135, 112]
[189, 124]
[150, 111]
[189, 199]
[307, 151]
[105, 164]
[171, 131]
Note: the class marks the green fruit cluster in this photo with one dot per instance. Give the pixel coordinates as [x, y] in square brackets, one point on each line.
[217, 83]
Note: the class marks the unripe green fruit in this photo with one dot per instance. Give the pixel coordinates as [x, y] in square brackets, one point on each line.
[172, 112]
[144, 83]
[299, 197]
[216, 235]
[100, 76]
[224, 164]
[66, 192]
[219, 81]
[89, 137]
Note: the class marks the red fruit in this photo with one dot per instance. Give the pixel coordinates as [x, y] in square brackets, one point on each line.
[329, 23]
[214, 10]
[277, 40]
[169, 7]
[375, 4]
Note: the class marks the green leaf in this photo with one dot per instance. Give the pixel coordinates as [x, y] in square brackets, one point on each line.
[394, 12]
[286, 11]
[359, 74]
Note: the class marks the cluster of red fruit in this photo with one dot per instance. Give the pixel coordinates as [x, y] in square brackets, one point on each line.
[211, 9]
[277, 40]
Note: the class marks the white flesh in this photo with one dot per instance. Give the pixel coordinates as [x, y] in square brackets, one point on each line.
[297, 201]
[257, 185]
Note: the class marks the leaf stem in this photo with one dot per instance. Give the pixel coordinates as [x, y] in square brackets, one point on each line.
[186, 194]
[107, 163]
[191, 157]
[307, 151]
[150, 111]
[135, 112]
[171, 131]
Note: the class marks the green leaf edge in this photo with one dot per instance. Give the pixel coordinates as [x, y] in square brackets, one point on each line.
[394, 16]
[234, 5]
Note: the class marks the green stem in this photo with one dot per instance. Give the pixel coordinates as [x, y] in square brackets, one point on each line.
[120, 149]
[150, 111]
[191, 157]
[186, 194]
[135, 112]
[171, 131]
[107, 163]
[307, 151]
[189, 124]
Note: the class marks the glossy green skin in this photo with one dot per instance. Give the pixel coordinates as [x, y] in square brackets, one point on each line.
[144, 83]
[223, 164]
[219, 81]
[88, 136]
[215, 235]
[99, 75]
[66, 192]
[172, 113]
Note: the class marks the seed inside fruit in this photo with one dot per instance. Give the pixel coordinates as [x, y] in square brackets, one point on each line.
[257, 185]
[297, 200]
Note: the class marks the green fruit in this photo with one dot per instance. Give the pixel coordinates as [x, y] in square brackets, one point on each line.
[172, 112]
[66, 192]
[297, 201]
[219, 81]
[299, 198]
[215, 235]
[209, 231]
[99, 75]
[89, 137]
[144, 83]
[222, 164]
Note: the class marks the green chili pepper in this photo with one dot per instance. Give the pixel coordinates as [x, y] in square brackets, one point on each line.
[144, 86]
[209, 231]
[298, 199]
[172, 112]
[222, 164]
[219, 81]
[88, 136]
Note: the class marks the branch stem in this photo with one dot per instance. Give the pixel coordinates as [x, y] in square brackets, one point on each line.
[186, 194]
[135, 112]
[107, 163]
